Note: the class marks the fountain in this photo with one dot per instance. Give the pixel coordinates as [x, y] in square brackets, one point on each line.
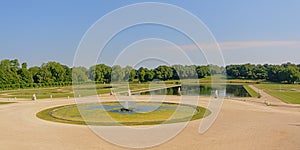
[33, 97]
[179, 91]
[128, 92]
[111, 91]
[115, 114]
[216, 94]
[259, 94]
[125, 107]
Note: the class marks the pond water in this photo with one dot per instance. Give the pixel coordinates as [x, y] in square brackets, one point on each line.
[202, 90]
[137, 107]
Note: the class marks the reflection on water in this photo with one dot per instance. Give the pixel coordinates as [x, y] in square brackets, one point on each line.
[202, 90]
[138, 107]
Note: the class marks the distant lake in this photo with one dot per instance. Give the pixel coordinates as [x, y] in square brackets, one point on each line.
[202, 90]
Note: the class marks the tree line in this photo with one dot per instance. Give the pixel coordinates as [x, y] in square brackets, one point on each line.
[15, 75]
[285, 73]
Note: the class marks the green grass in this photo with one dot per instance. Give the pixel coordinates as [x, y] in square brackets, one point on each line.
[250, 91]
[217, 78]
[87, 90]
[2, 103]
[243, 81]
[287, 97]
[278, 87]
[288, 93]
[41, 93]
[83, 90]
[174, 113]
[45, 115]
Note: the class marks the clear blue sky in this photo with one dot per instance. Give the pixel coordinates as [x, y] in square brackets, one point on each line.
[255, 31]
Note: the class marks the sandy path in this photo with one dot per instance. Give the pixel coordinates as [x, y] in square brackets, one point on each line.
[266, 96]
[240, 125]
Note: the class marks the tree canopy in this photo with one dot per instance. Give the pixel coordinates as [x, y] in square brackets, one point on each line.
[13, 75]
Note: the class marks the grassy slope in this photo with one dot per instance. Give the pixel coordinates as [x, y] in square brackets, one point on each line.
[2, 103]
[288, 93]
[250, 91]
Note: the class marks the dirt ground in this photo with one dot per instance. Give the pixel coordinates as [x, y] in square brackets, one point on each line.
[241, 124]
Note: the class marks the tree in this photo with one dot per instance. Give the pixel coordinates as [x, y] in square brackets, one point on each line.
[80, 74]
[163, 73]
[24, 65]
[260, 72]
[214, 69]
[45, 75]
[202, 71]
[129, 73]
[179, 72]
[190, 71]
[141, 73]
[15, 65]
[35, 73]
[149, 75]
[273, 72]
[58, 72]
[8, 72]
[54, 73]
[117, 73]
[24, 75]
[68, 73]
[100, 73]
[289, 74]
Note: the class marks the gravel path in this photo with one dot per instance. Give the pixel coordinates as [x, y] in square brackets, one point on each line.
[240, 125]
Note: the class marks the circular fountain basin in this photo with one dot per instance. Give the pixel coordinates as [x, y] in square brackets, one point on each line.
[113, 113]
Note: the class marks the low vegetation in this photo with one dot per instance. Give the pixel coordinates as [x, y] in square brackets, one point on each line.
[168, 113]
[56, 80]
[250, 91]
[288, 93]
[53, 74]
[2, 103]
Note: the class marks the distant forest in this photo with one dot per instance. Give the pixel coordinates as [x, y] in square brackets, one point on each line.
[13, 75]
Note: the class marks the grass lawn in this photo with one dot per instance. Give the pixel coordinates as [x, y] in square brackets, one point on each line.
[288, 93]
[84, 90]
[41, 93]
[287, 97]
[96, 115]
[250, 91]
[2, 103]
[223, 79]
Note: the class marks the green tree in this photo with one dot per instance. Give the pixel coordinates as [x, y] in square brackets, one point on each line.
[117, 73]
[273, 72]
[79, 74]
[129, 73]
[289, 74]
[8, 74]
[202, 71]
[24, 75]
[45, 75]
[163, 73]
[149, 75]
[58, 72]
[68, 73]
[100, 73]
[179, 72]
[141, 73]
[35, 73]
[260, 72]
[190, 72]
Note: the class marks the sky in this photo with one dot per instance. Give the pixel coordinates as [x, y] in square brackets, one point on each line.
[247, 31]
